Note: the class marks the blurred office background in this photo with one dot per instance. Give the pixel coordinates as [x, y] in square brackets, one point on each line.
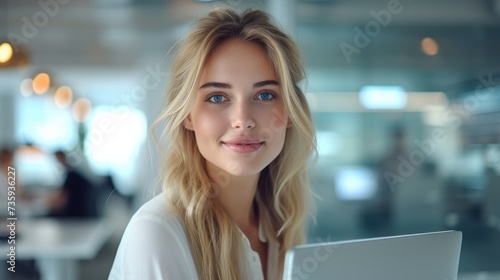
[405, 98]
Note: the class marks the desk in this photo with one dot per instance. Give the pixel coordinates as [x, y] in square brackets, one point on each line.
[57, 245]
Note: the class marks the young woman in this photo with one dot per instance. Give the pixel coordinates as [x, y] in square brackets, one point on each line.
[239, 135]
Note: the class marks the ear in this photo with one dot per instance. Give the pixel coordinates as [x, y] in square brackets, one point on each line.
[289, 123]
[188, 123]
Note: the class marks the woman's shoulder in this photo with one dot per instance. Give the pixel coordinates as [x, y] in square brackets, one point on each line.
[156, 206]
[155, 242]
[157, 217]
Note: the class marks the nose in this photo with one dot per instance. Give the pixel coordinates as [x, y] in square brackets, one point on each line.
[242, 116]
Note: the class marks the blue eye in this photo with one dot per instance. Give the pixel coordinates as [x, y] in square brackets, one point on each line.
[216, 98]
[265, 96]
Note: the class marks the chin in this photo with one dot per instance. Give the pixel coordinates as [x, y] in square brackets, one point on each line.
[242, 169]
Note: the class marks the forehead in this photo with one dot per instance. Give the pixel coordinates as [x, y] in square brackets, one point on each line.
[238, 61]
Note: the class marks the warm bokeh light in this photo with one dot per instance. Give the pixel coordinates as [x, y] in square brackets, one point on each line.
[41, 83]
[63, 97]
[81, 109]
[26, 87]
[429, 46]
[5, 52]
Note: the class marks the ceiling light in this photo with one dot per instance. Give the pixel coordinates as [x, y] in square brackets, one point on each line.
[6, 52]
[429, 46]
[383, 97]
[12, 55]
[41, 83]
[63, 96]
[81, 109]
[26, 87]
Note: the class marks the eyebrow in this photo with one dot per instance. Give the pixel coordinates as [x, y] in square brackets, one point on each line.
[225, 85]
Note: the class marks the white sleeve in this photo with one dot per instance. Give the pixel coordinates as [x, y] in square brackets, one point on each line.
[153, 248]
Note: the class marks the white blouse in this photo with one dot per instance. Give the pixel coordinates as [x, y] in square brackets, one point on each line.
[154, 246]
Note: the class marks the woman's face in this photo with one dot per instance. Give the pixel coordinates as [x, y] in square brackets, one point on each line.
[238, 117]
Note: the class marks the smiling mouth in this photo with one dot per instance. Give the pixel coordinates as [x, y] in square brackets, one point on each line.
[244, 148]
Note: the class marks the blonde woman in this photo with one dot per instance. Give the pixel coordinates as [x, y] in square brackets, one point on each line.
[239, 135]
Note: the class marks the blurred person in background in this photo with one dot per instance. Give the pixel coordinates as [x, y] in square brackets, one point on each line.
[74, 198]
[379, 211]
[235, 190]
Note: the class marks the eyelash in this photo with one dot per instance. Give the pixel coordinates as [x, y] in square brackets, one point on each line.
[209, 99]
[272, 97]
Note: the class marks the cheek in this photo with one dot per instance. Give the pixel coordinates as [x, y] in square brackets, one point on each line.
[208, 125]
[276, 143]
[276, 120]
[274, 128]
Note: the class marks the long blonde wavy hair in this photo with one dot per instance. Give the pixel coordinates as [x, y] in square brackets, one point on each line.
[283, 188]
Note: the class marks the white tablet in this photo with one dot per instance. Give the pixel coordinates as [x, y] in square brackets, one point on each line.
[429, 256]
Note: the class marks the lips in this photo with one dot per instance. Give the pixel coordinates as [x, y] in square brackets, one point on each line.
[244, 145]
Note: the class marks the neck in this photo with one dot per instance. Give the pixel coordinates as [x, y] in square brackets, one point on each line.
[236, 196]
